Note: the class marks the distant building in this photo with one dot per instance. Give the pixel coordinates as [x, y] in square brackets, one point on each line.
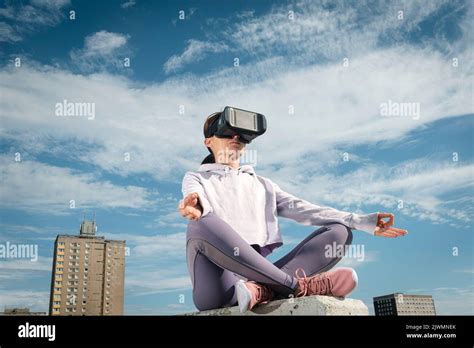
[20, 311]
[88, 274]
[401, 304]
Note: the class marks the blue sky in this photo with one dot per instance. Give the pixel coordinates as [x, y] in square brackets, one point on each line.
[332, 64]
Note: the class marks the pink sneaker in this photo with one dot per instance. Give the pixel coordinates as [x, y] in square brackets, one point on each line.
[339, 282]
[249, 294]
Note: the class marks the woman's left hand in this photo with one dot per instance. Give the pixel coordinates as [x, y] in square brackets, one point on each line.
[385, 229]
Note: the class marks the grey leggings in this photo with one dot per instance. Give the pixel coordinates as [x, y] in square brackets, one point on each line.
[218, 257]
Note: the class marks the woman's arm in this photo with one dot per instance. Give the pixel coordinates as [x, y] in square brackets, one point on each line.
[307, 213]
[195, 203]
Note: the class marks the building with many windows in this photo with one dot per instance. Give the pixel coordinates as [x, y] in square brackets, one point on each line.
[401, 304]
[88, 274]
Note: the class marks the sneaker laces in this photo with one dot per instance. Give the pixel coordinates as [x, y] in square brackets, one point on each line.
[263, 294]
[320, 284]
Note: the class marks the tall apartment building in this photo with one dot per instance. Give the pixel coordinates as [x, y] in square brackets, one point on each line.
[401, 304]
[88, 274]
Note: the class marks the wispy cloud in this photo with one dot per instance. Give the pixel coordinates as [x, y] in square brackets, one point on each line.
[321, 102]
[34, 300]
[285, 64]
[385, 186]
[102, 50]
[308, 32]
[41, 264]
[184, 15]
[194, 52]
[451, 300]
[128, 4]
[35, 186]
[156, 264]
[21, 19]
[356, 262]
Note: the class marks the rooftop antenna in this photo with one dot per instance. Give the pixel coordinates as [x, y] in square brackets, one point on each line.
[94, 224]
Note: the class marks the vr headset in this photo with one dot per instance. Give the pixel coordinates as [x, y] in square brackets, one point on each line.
[232, 121]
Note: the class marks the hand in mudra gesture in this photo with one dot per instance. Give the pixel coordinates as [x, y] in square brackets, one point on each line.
[189, 207]
[385, 228]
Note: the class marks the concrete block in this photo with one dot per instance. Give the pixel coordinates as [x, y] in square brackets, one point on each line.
[309, 305]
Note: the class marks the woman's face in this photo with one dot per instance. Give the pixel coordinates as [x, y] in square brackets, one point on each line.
[224, 149]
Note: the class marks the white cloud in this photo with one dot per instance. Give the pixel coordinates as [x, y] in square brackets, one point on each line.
[128, 4]
[188, 14]
[452, 300]
[34, 300]
[156, 281]
[41, 264]
[8, 33]
[103, 43]
[156, 264]
[21, 230]
[328, 31]
[102, 50]
[24, 19]
[35, 186]
[335, 107]
[331, 106]
[164, 247]
[430, 179]
[357, 261]
[307, 31]
[195, 51]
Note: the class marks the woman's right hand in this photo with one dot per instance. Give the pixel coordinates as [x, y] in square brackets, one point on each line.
[189, 207]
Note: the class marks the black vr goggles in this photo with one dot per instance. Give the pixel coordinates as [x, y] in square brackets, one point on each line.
[232, 121]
